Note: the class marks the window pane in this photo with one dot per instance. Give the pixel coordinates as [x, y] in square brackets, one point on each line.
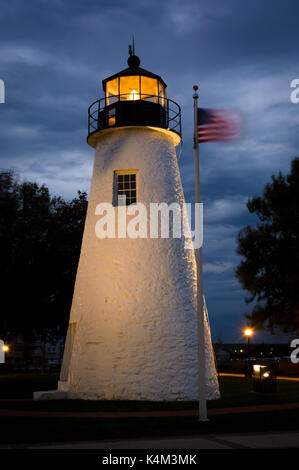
[121, 201]
[112, 91]
[149, 88]
[129, 88]
[161, 94]
[126, 189]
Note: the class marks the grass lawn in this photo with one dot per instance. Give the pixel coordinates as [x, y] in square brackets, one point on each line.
[23, 385]
[235, 392]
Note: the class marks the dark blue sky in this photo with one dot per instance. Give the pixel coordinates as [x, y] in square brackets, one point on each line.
[243, 55]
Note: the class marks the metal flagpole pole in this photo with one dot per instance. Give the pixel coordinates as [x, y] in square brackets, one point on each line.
[200, 306]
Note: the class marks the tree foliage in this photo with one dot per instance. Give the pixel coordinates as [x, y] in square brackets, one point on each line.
[40, 239]
[270, 268]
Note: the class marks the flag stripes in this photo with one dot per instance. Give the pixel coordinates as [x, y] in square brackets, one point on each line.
[216, 125]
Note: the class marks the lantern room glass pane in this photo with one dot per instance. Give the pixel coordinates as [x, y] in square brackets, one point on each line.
[161, 94]
[149, 89]
[112, 91]
[130, 88]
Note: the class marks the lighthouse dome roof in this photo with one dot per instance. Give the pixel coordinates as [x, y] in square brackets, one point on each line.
[133, 69]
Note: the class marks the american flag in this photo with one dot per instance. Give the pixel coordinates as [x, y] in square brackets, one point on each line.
[216, 125]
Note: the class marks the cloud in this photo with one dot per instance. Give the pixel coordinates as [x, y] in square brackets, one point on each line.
[68, 172]
[217, 267]
[54, 54]
[224, 209]
[24, 132]
[184, 18]
[13, 54]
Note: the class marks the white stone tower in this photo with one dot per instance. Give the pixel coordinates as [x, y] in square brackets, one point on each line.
[133, 327]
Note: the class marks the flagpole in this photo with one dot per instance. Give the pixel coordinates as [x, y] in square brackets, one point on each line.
[200, 306]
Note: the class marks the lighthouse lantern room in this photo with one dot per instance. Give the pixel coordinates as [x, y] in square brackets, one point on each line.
[134, 97]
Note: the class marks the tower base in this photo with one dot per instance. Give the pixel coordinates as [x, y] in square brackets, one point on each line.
[49, 395]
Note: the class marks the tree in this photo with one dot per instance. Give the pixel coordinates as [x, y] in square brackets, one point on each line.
[40, 239]
[270, 269]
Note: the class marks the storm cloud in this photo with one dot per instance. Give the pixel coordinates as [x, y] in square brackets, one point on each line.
[243, 55]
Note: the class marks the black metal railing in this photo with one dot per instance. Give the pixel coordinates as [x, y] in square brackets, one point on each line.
[122, 110]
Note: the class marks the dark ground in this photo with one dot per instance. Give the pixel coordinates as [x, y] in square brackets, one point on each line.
[235, 391]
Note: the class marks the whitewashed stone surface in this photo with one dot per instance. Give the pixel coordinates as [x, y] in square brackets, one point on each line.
[134, 299]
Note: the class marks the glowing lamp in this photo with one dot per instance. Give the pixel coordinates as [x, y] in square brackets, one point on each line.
[264, 378]
[134, 95]
[248, 332]
[5, 348]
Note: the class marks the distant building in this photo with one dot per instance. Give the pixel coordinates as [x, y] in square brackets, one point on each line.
[36, 352]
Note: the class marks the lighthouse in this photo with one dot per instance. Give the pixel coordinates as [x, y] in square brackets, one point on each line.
[132, 332]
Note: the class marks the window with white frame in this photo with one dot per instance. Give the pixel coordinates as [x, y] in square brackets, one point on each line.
[126, 191]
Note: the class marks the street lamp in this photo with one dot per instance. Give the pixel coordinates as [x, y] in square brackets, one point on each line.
[248, 332]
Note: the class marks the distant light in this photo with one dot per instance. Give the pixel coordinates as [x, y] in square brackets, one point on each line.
[248, 332]
[241, 350]
[256, 368]
[266, 374]
[5, 348]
